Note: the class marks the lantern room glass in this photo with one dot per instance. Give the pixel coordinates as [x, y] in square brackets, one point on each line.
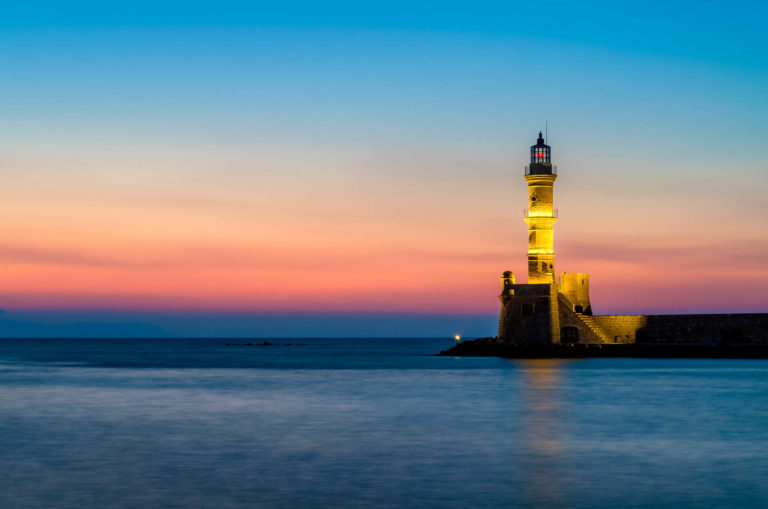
[540, 154]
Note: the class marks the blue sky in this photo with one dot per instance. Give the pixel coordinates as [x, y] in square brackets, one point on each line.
[706, 30]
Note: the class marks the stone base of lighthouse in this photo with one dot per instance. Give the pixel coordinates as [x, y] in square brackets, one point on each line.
[529, 314]
[560, 313]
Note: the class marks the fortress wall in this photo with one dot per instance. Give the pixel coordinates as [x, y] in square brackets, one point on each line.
[715, 328]
[621, 328]
[719, 328]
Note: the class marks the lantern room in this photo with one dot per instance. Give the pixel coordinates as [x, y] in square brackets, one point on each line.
[541, 163]
[540, 152]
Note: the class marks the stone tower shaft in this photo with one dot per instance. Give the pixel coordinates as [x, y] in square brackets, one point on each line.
[541, 215]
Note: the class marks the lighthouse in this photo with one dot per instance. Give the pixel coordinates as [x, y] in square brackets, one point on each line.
[546, 310]
[541, 215]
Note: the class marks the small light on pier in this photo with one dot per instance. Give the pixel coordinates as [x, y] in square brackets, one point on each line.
[457, 338]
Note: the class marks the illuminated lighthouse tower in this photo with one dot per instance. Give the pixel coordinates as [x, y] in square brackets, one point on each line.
[530, 313]
[546, 310]
[540, 216]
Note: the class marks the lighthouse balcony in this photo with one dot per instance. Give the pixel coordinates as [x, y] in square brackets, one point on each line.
[541, 169]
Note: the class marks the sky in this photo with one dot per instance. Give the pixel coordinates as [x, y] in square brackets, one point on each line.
[356, 168]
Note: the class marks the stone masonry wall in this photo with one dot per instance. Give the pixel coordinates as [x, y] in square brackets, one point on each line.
[528, 314]
[703, 329]
[535, 314]
[719, 328]
[620, 328]
[570, 319]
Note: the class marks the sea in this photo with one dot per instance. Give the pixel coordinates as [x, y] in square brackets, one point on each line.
[220, 423]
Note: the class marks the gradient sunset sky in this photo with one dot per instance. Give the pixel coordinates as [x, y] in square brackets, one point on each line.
[343, 160]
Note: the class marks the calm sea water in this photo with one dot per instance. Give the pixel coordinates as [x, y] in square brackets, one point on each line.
[372, 423]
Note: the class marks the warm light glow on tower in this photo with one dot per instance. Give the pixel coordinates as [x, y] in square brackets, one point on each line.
[540, 216]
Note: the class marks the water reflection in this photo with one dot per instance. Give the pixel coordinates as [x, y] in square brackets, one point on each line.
[542, 431]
